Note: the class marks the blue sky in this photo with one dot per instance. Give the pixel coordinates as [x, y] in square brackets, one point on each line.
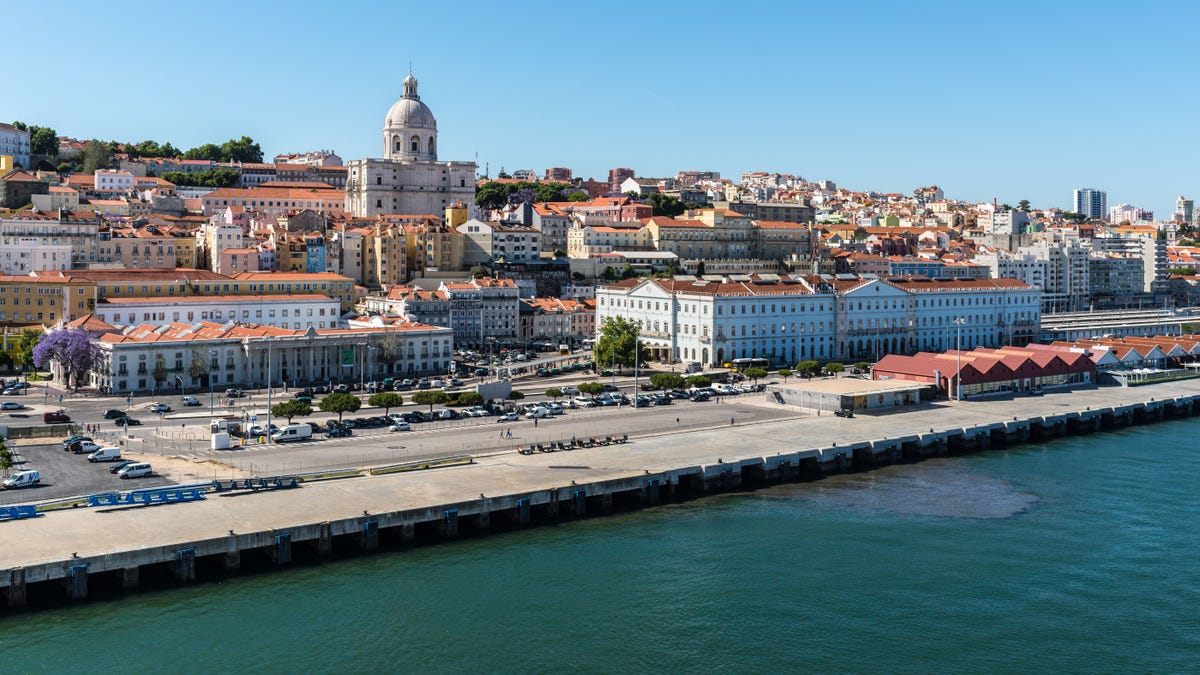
[1010, 100]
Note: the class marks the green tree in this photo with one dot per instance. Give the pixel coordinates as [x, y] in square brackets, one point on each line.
[666, 381]
[554, 393]
[494, 195]
[43, 141]
[808, 368]
[207, 151]
[95, 156]
[578, 196]
[430, 398]
[833, 368]
[243, 149]
[198, 368]
[25, 343]
[386, 400]
[216, 178]
[665, 205]
[21, 125]
[591, 388]
[617, 342]
[7, 458]
[1023, 205]
[515, 395]
[340, 404]
[864, 366]
[699, 381]
[784, 373]
[560, 253]
[294, 408]
[700, 269]
[160, 370]
[469, 398]
[755, 374]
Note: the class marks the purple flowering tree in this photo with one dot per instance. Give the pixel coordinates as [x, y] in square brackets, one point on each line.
[75, 351]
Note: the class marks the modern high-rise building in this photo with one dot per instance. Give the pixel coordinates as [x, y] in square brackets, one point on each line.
[1183, 210]
[1091, 202]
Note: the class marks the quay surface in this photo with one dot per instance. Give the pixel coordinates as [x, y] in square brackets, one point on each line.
[62, 549]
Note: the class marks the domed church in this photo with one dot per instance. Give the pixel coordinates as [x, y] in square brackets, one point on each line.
[409, 179]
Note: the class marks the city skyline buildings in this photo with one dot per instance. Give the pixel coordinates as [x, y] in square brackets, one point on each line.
[812, 123]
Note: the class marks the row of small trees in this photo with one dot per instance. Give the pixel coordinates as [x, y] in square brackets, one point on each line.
[340, 404]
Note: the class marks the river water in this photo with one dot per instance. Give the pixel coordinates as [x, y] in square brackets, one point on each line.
[1080, 554]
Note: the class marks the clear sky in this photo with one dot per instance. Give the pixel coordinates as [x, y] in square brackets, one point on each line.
[1013, 100]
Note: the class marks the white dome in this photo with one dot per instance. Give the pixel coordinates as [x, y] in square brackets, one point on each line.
[409, 113]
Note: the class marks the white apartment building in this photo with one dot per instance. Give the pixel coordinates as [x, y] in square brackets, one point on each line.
[1025, 267]
[490, 241]
[75, 229]
[476, 310]
[214, 237]
[113, 181]
[241, 355]
[22, 255]
[295, 311]
[15, 143]
[787, 319]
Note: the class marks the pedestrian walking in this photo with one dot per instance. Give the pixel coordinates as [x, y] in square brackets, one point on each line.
[676, 421]
[730, 421]
[535, 423]
[501, 433]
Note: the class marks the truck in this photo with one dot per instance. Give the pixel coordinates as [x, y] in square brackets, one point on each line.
[292, 432]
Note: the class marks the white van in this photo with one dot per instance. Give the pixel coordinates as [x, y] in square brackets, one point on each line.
[190, 400]
[537, 413]
[109, 454]
[135, 470]
[292, 432]
[22, 479]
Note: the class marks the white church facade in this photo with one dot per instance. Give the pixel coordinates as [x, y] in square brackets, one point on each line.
[409, 179]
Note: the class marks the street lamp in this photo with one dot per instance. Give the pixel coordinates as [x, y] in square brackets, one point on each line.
[958, 324]
[211, 400]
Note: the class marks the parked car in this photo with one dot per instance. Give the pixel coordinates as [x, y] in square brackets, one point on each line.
[82, 446]
[400, 425]
[70, 440]
[570, 391]
[113, 413]
[135, 470]
[190, 401]
[22, 479]
[117, 466]
[11, 405]
[537, 413]
[338, 432]
[509, 417]
[234, 393]
[160, 408]
[127, 422]
[109, 454]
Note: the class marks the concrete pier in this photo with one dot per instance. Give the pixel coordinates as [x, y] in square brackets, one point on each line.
[373, 511]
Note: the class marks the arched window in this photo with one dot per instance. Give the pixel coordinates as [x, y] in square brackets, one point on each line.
[416, 143]
[396, 140]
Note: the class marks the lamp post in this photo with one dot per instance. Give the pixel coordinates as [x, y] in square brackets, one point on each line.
[267, 435]
[211, 397]
[958, 324]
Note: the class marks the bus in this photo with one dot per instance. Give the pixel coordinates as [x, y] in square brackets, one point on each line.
[740, 365]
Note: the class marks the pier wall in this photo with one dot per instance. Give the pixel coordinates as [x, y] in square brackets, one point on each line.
[191, 561]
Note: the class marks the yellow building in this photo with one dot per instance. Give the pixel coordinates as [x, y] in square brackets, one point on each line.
[45, 300]
[6, 164]
[150, 283]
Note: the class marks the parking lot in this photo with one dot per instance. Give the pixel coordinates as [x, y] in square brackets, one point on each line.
[65, 474]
